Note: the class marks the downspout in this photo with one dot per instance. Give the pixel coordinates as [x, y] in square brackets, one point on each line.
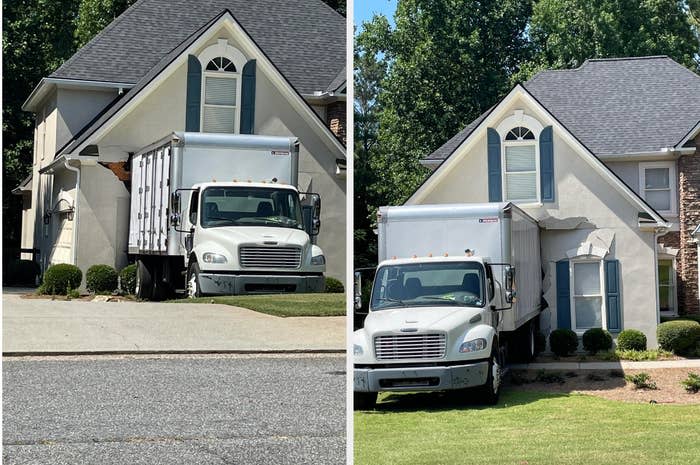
[76, 216]
[658, 232]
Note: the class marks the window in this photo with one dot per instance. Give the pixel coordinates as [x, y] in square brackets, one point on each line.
[220, 96]
[658, 185]
[254, 206]
[587, 295]
[520, 176]
[667, 285]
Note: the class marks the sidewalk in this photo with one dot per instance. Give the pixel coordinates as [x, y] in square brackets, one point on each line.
[43, 326]
[624, 364]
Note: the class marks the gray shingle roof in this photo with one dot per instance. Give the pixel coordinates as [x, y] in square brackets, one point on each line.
[304, 39]
[615, 106]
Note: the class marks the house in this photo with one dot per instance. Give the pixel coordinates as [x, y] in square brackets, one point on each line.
[280, 66]
[605, 158]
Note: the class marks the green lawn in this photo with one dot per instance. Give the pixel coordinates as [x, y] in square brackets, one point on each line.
[282, 304]
[526, 429]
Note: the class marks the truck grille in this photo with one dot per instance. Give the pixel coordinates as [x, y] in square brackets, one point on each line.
[270, 257]
[405, 346]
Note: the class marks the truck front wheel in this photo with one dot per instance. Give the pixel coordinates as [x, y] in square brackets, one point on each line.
[491, 390]
[144, 280]
[364, 400]
[193, 289]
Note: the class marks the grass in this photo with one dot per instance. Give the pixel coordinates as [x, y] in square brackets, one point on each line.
[284, 305]
[525, 428]
[634, 355]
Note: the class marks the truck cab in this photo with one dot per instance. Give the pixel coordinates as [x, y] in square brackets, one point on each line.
[250, 237]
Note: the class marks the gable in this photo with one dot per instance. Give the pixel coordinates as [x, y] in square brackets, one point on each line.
[474, 144]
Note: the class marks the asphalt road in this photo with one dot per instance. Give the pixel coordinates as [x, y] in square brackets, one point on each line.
[174, 410]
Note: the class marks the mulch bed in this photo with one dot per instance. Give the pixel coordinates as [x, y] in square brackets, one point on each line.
[609, 384]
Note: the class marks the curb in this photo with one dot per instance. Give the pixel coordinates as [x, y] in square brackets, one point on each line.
[170, 352]
[608, 365]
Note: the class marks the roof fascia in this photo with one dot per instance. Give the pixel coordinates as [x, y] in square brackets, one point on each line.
[595, 163]
[46, 85]
[691, 135]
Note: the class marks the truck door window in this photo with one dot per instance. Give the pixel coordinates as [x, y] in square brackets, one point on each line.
[194, 205]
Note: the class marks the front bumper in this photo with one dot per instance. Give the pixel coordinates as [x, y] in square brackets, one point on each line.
[233, 284]
[421, 378]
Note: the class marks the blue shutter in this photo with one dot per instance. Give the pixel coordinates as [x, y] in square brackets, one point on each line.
[547, 165]
[563, 295]
[612, 296]
[494, 169]
[193, 106]
[248, 98]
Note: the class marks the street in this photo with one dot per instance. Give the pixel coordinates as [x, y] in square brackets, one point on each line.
[196, 409]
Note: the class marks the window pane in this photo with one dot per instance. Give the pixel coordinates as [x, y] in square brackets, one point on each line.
[586, 278]
[656, 178]
[665, 269]
[588, 312]
[660, 200]
[219, 119]
[521, 186]
[220, 91]
[665, 302]
[520, 158]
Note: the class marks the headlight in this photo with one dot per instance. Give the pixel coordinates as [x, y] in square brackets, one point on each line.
[209, 257]
[318, 260]
[473, 345]
[357, 350]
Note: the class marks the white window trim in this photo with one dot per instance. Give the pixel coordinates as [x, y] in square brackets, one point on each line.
[672, 182]
[572, 297]
[513, 143]
[222, 49]
[674, 284]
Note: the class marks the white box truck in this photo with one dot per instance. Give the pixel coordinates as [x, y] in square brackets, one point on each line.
[456, 287]
[221, 214]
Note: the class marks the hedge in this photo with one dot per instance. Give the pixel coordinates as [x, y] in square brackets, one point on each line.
[596, 340]
[632, 339]
[334, 286]
[563, 342]
[61, 278]
[101, 279]
[681, 337]
[127, 279]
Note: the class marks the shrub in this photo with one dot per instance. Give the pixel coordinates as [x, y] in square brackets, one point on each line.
[563, 342]
[641, 381]
[334, 286]
[60, 279]
[631, 339]
[22, 272]
[549, 377]
[127, 279]
[692, 383]
[680, 337]
[101, 279]
[596, 340]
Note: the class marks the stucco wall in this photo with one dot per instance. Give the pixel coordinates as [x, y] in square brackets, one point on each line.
[586, 209]
[76, 108]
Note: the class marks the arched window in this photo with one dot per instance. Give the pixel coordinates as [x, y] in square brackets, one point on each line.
[520, 166]
[221, 87]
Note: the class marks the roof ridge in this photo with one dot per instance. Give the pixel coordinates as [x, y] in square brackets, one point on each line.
[645, 57]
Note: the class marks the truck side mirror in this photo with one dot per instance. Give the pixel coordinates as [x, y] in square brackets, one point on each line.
[358, 290]
[510, 284]
[311, 213]
[175, 208]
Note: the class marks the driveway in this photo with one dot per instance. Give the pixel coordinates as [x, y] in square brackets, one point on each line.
[45, 326]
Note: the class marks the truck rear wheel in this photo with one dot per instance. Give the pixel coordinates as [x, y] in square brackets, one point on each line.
[144, 280]
[193, 288]
[491, 390]
[364, 400]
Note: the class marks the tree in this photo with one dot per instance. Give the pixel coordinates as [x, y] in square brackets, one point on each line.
[95, 15]
[565, 33]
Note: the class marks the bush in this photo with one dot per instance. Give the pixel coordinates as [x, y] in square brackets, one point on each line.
[22, 272]
[127, 279]
[563, 342]
[680, 337]
[692, 383]
[641, 381]
[334, 286]
[60, 279]
[596, 340]
[101, 279]
[631, 339]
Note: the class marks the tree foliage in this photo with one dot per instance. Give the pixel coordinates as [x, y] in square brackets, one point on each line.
[95, 15]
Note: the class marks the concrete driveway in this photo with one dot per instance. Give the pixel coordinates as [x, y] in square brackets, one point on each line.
[46, 326]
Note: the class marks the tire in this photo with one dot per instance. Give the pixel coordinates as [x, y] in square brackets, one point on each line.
[491, 390]
[161, 290]
[193, 287]
[364, 400]
[144, 280]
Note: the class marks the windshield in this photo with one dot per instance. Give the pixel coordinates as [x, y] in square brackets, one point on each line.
[429, 284]
[250, 206]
